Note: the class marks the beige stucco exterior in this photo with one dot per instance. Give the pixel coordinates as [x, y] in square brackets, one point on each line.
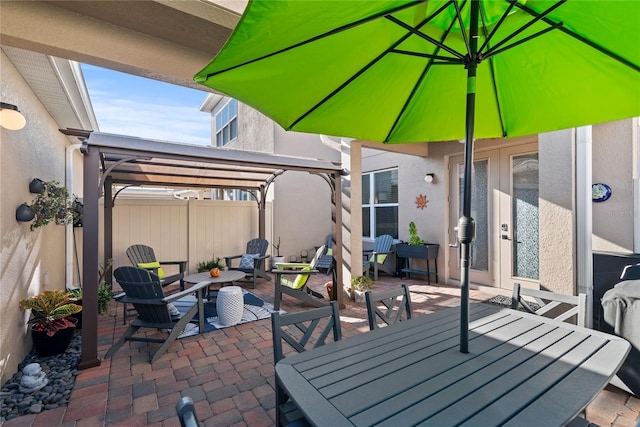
[30, 261]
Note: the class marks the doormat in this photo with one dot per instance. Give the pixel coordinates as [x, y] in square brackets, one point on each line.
[255, 308]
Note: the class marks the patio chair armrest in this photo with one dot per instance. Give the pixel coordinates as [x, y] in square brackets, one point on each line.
[227, 259]
[257, 260]
[181, 264]
[189, 291]
[282, 266]
[294, 272]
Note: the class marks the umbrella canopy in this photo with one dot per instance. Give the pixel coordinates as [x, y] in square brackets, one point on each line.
[408, 71]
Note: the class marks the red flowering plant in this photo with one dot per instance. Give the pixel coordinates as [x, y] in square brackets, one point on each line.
[50, 311]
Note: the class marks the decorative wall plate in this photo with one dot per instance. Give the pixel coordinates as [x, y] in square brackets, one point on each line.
[600, 192]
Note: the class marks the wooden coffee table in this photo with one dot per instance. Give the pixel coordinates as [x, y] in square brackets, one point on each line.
[226, 277]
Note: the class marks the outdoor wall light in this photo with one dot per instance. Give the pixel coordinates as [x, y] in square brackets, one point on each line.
[10, 117]
[428, 178]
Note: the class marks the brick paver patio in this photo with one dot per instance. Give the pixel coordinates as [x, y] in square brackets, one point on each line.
[229, 372]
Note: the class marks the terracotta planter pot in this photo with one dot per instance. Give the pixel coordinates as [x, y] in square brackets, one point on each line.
[50, 346]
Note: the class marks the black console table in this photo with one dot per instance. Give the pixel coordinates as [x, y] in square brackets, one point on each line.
[406, 253]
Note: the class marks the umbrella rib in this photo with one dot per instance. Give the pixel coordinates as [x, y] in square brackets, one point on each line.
[445, 59]
[488, 38]
[580, 38]
[494, 52]
[537, 17]
[362, 70]
[422, 76]
[318, 37]
[424, 36]
[492, 72]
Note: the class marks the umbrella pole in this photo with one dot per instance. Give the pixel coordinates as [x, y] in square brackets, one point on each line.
[466, 229]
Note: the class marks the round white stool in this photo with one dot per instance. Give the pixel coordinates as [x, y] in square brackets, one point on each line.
[230, 305]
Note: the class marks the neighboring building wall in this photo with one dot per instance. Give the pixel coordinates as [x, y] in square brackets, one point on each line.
[302, 201]
[30, 261]
[613, 220]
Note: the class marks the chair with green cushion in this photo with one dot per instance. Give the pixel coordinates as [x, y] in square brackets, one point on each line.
[143, 256]
[292, 278]
[373, 259]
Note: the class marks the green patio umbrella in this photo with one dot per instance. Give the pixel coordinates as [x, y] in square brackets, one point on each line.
[399, 71]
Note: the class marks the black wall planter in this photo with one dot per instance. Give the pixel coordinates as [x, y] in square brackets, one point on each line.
[36, 186]
[24, 213]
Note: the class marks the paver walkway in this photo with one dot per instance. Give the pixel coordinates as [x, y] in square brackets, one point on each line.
[229, 372]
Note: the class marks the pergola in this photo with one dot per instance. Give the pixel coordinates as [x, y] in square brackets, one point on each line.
[111, 160]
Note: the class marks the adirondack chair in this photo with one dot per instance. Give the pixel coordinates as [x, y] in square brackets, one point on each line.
[302, 330]
[326, 261]
[373, 259]
[252, 262]
[389, 306]
[557, 306]
[297, 287]
[143, 256]
[144, 291]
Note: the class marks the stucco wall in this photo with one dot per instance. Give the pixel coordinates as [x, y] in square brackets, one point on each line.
[557, 228]
[302, 202]
[255, 131]
[613, 165]
[30, 261]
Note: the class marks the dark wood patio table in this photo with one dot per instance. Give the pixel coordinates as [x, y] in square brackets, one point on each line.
[521, 369]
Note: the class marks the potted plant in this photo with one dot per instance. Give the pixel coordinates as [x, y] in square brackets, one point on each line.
[360, 285]
[52, 328]
[50, 205]
[416, 247]
[276, 258]
[210, 265]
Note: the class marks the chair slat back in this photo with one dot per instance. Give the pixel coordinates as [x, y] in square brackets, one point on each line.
[383, 243]
[316, 258]
[389, 306]
[306, 329]
[257, 246]
[556, 306]
[140, 284]
[140, 254]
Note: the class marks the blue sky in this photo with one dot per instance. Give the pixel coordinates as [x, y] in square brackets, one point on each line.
[130, 105]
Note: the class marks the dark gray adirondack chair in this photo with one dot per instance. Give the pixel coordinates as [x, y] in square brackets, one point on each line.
[187, 412]
[326, 261]
[389, 306]
[258, 248]
[381, 249]
[139, 255]
[297, 330]
[557, 306]
[143, 290]
[292, 278]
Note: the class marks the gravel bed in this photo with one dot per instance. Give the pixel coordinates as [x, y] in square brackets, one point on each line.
[61, 371]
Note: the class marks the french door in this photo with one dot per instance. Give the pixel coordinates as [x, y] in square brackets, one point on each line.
[505, 210]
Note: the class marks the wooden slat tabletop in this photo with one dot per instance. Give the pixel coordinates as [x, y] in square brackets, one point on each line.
[521, 369]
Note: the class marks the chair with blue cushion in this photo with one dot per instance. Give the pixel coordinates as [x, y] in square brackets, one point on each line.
[252, 262]
[292, 278]
[377, 257]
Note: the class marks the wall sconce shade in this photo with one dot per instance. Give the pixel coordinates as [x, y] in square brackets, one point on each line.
[428, 178]
[10, 117]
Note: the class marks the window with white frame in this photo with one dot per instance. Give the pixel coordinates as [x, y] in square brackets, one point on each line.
[227, 123]
[380, 203]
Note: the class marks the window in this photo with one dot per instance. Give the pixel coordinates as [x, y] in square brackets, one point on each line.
[227, 123]
[380, 203]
